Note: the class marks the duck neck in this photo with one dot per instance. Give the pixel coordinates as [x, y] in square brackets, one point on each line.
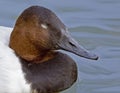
[45, 56]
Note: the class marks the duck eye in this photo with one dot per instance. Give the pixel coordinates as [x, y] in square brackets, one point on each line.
[44, 26]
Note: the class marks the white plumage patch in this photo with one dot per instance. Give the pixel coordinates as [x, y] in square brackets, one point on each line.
[11, 75]
[44, 26]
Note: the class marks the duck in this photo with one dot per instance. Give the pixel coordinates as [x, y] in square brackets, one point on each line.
[30, 56]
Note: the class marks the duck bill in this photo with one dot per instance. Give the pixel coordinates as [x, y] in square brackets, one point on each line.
[69, 44]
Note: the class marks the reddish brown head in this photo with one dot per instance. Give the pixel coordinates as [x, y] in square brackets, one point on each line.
[38, 32]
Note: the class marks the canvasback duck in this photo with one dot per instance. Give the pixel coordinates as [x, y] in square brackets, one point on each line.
[29, 58]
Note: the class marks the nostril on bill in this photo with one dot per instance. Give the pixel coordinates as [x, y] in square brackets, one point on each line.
[72, 44]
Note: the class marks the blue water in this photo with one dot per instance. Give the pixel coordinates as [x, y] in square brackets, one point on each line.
[96, 26]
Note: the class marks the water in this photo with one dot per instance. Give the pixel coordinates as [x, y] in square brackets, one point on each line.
[96, 26]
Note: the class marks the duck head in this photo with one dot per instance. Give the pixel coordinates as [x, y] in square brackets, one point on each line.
[38, 33]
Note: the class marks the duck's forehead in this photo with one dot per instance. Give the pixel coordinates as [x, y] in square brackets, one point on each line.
[46, 17]
[42, 13]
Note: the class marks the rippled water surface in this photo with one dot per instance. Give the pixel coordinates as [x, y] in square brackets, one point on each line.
[96, 26]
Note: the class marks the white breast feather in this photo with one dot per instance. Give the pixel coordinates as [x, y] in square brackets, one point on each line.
[11, 76]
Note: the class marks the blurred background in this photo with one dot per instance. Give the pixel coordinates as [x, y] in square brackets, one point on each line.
[96, 26]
